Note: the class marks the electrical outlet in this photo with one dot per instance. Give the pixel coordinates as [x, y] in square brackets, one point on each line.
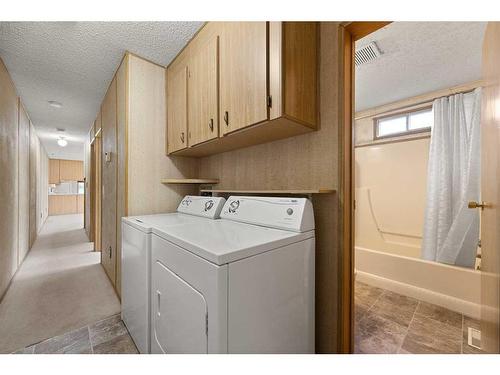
[474, 337]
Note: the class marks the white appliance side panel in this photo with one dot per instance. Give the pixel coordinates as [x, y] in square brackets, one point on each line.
[180, 314]
[271, 301]
[207, 278]
[135, 260]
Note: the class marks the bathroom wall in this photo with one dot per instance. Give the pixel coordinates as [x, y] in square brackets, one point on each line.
[9, 170]
[390, 192]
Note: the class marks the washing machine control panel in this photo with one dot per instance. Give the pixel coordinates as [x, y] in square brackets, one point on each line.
[295, 214]
[209, 207]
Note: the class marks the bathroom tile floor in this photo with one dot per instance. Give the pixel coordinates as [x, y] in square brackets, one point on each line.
[108, 336]
[387, 322]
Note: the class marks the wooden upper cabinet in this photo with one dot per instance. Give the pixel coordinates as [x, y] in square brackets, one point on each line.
[243, 74]
[54, 171]
[267, 86]
[71, 170]
[177, 127]
[203, 93]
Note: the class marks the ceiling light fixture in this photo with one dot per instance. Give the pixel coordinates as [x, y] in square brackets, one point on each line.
[55, 104]
[62, 142]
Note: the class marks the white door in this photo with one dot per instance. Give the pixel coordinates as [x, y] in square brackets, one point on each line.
[179, 314]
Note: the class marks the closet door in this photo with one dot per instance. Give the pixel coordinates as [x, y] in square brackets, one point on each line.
[108, 175]
[203, 100]
[243, 75]
[177, 105]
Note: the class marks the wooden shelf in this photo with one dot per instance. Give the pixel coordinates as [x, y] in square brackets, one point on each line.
[305, 191]
[201, 181]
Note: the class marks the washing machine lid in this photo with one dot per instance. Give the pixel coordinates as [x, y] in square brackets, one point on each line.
[145, 223]
[191, 209]
[226, 241]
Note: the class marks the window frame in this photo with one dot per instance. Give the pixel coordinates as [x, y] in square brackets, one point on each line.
[405, 114]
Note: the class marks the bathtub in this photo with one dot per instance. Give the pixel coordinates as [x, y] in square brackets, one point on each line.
[455, 288]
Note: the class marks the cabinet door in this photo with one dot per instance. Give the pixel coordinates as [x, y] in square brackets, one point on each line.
[243, 75]
[177, 106]
[108, 175]
[54, 177]
[203, 100]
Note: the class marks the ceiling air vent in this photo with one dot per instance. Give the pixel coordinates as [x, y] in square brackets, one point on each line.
[367, 53]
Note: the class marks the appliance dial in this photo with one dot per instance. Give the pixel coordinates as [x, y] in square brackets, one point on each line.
[233, 206]
[208, 205]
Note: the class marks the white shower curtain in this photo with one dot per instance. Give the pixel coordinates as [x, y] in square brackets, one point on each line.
[451, 229]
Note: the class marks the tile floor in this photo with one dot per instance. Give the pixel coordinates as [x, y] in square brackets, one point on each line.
[108, 336]
[387, 322]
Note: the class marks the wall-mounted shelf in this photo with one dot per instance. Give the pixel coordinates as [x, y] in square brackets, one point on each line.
[305, 191]
[200, 181]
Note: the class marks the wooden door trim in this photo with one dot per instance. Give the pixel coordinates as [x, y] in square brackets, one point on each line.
[349, 33]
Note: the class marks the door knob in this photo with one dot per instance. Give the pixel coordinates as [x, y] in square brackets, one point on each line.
[480, 205]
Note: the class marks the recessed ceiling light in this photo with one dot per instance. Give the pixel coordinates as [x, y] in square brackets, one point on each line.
[55, 104]
[62, 142]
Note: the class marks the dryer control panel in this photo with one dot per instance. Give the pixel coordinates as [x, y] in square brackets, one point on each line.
[209, 207]
[294, 214]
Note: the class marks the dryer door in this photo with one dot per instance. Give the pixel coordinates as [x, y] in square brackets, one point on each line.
[179, 314]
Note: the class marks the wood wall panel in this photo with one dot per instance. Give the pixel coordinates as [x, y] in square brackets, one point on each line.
[304, 162]
[147, 162]
[24, 183]
[108, 225]
[8, 179]
[121, 187]
[33, 184]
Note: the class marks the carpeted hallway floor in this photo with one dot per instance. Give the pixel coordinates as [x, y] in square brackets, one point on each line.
[60, 287]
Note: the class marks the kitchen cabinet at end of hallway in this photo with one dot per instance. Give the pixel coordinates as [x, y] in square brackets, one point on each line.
[266, 84]
[65, 170]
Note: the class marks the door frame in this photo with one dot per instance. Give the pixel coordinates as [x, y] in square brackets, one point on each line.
[350, 32]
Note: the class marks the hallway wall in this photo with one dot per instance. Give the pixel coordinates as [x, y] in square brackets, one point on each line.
[23, 181]
[8, 179]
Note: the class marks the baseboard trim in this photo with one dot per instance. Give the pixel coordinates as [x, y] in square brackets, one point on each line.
[467, 308]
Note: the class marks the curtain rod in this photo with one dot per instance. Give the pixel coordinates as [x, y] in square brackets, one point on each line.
[462, 89]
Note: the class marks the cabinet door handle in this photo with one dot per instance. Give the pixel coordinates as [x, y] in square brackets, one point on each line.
[226, 118]
[211, 124]
[182, 137]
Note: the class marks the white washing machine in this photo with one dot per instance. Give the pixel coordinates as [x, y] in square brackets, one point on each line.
[136, 259]
[241, 284]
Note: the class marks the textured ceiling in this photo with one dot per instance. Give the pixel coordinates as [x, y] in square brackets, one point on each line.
[73, 63]
[419, 57]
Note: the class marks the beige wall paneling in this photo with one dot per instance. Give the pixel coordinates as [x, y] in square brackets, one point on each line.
[177, 94]
[122, 139]
[54, 169]
[9, 202]
[203, 87]
[109, 165]
[242, 74]
[33, 184]
[490, 192]
[97, 176]
[86, 172]
[24, 183]
[147, 162]
[307, 161]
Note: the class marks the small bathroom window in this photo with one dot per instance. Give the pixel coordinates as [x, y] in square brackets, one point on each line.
[404, 123]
